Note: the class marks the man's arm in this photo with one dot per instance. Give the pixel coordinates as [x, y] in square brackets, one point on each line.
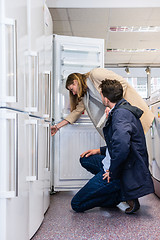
[90, 152]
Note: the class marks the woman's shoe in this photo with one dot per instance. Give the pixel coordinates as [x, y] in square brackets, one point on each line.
[134, 205]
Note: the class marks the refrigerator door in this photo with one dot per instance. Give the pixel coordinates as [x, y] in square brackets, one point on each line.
[35, 174]
[14, 190]
[70, 142]
[149, 142]
[72, 54]
[13, 42]
[47, 88]
[34, 64]
[156, 141]
[47, 167]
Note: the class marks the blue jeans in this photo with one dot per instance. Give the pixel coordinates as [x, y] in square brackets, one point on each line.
[97, 192]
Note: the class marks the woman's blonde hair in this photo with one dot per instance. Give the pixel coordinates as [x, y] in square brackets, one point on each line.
[82, 87]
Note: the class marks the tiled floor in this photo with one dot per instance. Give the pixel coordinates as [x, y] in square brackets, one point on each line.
[61, 222]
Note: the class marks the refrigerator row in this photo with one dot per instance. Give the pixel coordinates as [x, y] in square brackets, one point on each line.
[24, 173]
[25, 116]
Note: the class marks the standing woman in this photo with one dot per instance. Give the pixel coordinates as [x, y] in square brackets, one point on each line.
[85, 95]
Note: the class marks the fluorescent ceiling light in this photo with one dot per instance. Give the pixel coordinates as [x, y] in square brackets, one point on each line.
[134, 29]
[132, 50]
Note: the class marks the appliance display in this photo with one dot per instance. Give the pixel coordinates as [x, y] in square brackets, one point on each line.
[25, 116]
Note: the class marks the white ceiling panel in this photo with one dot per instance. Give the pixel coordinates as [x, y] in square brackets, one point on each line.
[90, 34]
[90, 26]
[133, 40]
[157, 58]
[59, 14]
[129, 17]
[95, 23]
[89, 14]
[61, 26]
[117, 58]
[143, 57]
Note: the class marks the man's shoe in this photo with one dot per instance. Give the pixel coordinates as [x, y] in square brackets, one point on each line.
[134, 205]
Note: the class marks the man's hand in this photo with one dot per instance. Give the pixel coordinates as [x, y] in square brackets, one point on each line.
[107, 111]
[90, 152]
[106, 175]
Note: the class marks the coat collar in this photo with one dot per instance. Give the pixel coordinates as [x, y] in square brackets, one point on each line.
[112, 111]
[124, 104]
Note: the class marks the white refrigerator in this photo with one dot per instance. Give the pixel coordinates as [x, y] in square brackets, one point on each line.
[155, 141]
[25, 116]
[72, 54]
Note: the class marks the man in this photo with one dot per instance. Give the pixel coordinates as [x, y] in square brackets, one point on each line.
[123, 174]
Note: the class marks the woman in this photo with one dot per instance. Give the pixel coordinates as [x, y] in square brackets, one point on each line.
[85, 95]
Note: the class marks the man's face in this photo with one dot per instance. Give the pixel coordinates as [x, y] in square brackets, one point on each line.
[104, 100]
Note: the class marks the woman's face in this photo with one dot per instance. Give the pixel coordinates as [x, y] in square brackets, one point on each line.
[73, 87]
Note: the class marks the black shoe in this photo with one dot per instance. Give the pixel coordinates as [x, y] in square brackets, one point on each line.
[133, 206]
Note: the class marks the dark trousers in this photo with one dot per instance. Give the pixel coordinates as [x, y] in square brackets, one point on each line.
[97, 192]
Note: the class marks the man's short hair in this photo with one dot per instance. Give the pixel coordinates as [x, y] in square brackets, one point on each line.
[112, 89]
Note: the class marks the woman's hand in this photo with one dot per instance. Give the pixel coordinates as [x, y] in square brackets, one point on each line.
[54, 129]
[90, 152]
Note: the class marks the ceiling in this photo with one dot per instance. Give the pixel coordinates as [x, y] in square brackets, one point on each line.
[95, 23]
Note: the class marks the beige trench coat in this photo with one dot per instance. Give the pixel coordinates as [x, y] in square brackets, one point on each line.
[129, 93]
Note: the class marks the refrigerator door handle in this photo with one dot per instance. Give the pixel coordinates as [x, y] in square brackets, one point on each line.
[36, 145]
[10, 189]
[47, 163]
[31, 81]
[47, 94]
[33, 162]
[16, 155]
[36, 97]
[9, 75]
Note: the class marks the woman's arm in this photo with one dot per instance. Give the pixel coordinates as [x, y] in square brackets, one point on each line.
[56, 127]
[71, 118]
[76, 113]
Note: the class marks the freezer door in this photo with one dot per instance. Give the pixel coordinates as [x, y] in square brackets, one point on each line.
[13, 42]
[46, 160]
